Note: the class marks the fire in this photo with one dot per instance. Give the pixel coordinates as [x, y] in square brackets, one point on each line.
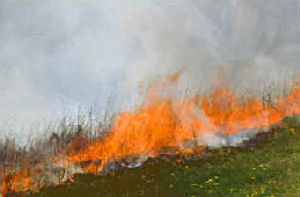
[21, 179]
[163, 121]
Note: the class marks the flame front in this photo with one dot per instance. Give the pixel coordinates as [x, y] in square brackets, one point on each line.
[162, 122]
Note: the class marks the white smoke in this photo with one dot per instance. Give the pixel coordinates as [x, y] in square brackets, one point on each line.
[213, 140]
[56, 56]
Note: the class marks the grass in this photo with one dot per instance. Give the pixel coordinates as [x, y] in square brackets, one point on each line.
[270, 169]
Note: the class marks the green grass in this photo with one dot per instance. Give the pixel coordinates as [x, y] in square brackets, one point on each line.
[270, 169]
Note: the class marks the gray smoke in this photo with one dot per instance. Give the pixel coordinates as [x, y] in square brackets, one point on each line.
[56, 56]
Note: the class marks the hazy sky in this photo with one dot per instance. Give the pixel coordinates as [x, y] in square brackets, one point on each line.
[58, 55]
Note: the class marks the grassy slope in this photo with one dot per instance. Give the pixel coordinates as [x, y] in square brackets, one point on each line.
[271, 169]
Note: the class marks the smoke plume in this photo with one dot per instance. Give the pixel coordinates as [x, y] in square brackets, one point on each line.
[56, 56]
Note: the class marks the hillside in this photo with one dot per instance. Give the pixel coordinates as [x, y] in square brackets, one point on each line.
[269, 169]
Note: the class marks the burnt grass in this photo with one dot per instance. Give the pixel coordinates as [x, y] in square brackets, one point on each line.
[268, 166]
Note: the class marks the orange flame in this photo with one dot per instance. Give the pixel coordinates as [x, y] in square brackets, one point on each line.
[21, 180]
[162, 122]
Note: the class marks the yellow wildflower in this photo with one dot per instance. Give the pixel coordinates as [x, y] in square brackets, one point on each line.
[210, 180]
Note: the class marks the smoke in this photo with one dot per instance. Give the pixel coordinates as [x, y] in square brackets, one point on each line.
[255, 42]
[56, 56]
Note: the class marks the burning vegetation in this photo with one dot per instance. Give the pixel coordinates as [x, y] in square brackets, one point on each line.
[161, 126]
